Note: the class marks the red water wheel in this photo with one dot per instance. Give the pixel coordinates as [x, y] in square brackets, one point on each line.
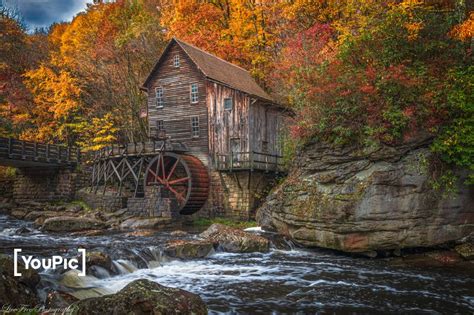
[183, 178]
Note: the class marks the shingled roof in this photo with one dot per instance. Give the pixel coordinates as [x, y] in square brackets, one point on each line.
[218, 69]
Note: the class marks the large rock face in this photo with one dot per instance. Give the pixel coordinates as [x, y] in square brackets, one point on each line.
[355, 200]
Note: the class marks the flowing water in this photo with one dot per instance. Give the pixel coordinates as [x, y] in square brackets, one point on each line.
[278, 282]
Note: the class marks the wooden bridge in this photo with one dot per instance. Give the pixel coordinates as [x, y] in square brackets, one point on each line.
[18, 153]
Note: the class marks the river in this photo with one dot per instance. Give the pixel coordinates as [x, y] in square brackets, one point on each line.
[278, 282]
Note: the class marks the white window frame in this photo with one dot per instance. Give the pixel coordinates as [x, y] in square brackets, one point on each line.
[176, 62]
[160, 125]
[160, 102]
[194, 95]
[195, 130]
[231, 103]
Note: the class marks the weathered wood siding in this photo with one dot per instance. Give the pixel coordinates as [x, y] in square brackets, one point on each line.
[226, 126]
[178, 109]
[266, 123]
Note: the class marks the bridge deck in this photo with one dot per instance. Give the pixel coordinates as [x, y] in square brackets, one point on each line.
[18, 153]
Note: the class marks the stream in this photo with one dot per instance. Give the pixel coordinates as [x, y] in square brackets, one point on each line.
[278, 282]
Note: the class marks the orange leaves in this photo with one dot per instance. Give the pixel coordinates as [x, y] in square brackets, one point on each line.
[465, 30]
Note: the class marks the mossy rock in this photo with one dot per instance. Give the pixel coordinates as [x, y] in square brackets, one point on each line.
[17, 291]
[143, 297]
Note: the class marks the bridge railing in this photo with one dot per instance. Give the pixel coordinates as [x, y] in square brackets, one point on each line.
[15, 149]
[250, 161]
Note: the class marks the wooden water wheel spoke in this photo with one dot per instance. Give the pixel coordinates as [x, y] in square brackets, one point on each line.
[156, 178]
[173, 168]
[179, 180]
[184, 177]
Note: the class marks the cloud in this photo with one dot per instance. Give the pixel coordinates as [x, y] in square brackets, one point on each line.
[43, 13]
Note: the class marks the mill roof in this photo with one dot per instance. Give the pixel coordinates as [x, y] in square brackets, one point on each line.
[217, 69]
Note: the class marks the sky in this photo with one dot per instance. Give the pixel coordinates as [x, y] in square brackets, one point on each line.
[43, 13]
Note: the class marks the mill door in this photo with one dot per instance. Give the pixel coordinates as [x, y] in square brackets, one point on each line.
[235, 152]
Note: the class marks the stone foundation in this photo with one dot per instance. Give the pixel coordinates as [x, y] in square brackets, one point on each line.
[237, 195]
[44, 184]
[101, 201]
[6, 188]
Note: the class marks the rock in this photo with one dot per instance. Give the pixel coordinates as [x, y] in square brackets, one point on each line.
[397, 252]
[23, 230]
[74, 207]
[34, 215]
[145, 223]
[189, 249]
[18, 213]
[358, 200]
[235, 240]
[369, 254]
[115, 214]
[446, 257]
[5, 207]
[17, 291]
[179, 233]
[142, 233]
[98, 259]
[57, 299]
[71, 224]
[465, 250]
[144, 297]
[91, 232]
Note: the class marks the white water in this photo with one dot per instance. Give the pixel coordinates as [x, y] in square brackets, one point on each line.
[275, 282]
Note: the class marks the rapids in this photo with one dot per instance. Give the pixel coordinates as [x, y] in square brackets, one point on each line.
[278, 282]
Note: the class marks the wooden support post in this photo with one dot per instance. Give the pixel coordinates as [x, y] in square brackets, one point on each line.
[23, 156]
[35, 151]
[251, 160]
[10, 147]
[47, 152]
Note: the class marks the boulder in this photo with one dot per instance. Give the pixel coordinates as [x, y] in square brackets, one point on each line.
[144, 297]
[34, 215]
[466, 251]
[142, 233]
[116, 214]
[57, 299]
[72, 224]
[179, 233]
[98, 259]
[189, 249]
[234, 240]
[145, 223]
[5, 207]
[17, 291]
[18, 213]
[367, 199]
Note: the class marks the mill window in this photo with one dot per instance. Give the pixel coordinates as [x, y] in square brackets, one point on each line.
[195, 126]
[160, 125]
[159, 97]
[194, 93]
[176, 61]
[228, 104]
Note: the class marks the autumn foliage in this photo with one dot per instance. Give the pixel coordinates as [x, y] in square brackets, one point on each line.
[356, 71]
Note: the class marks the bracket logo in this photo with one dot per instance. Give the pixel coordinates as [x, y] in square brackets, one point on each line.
[53, 262]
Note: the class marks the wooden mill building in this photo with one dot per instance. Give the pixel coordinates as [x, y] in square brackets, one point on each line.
[225, 118]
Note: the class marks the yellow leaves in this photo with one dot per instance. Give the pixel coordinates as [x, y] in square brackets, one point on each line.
[465, 30]
[57, 93]
[413, 29]
[100, 132]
